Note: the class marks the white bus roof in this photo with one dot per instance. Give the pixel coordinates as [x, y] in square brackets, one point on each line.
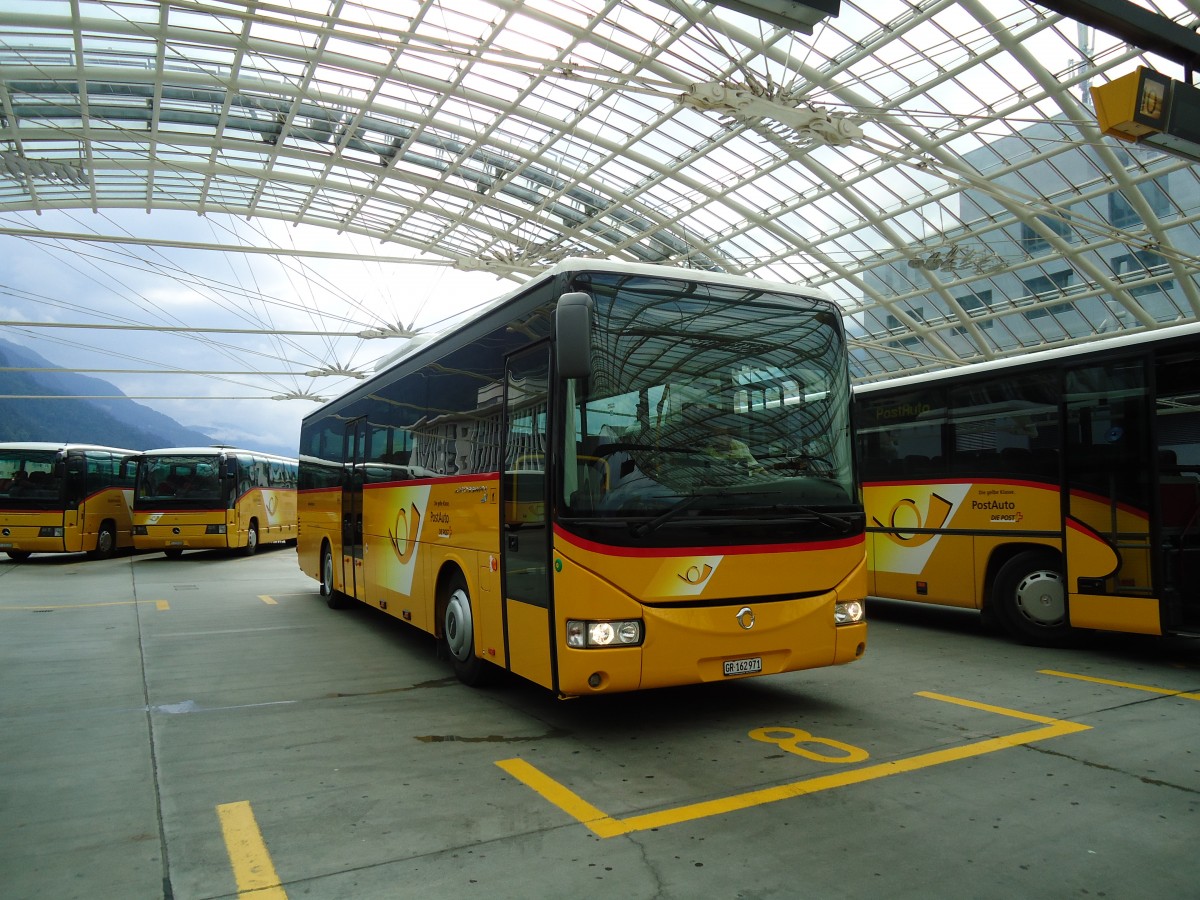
[582, 263]
[211, 451]
[1129, 339]
[56, 445]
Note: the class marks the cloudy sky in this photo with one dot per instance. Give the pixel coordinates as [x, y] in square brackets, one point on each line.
[70, 282]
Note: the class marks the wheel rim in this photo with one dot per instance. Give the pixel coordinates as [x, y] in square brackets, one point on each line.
[1040, 598]
[252, 538]
[327, 573]
[458, 630]
[104, 541]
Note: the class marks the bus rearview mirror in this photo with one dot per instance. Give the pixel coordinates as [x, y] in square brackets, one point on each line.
[573, 329]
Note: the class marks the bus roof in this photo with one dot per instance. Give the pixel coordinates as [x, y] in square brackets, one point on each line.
[212, 451]
[587, 264]
[1116, 342]
[60, 445]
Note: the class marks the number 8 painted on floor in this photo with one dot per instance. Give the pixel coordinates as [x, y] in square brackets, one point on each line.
[793, 739]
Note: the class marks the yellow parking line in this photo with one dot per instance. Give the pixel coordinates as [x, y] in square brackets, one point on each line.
[1148, 688]
[74, 605]
[252, 866]
[162, 605]
[270, 601]
[604, 825]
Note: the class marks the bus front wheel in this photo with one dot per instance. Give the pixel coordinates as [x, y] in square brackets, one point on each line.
[1031, 596]
[106, 542]
[458, 634]
[19, 555]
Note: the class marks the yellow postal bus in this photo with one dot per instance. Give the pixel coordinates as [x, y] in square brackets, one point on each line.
[616, 477]
[1055, 491]
[194, 498]
[64, 498]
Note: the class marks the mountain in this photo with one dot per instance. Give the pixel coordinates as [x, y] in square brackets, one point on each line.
[115, 423]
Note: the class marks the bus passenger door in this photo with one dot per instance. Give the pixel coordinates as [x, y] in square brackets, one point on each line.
[525, 532]
[1110, 485]
[354, 454]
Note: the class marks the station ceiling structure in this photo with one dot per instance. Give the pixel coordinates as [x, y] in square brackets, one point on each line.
[935, 166]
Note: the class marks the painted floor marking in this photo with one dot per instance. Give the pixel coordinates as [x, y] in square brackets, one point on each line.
[606, 826]
[1148, 688]
[162, 605]
[270, 601]
[49, 606]
[252, 866]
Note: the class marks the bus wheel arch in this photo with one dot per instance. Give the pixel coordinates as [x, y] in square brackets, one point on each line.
[456, 627]
[1028, 596]
[251, 538]
[334, 598]
[106, 540]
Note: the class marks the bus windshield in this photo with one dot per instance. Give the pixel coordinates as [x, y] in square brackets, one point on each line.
[709, 405]
[179, 479]
[30, 478]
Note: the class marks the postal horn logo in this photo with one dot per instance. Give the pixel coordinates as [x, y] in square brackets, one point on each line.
[697, 575]
[272, 504]
[906, 515]
[404, 538]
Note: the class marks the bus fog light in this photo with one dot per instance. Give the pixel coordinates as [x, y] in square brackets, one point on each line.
[849, 612]
[624, 633]
[50, 531]
[214, 529]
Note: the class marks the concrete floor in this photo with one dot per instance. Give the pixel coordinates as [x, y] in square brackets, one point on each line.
[206, 727]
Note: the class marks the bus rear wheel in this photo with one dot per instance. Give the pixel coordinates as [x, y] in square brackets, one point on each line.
[1031, 596]
[106, 542]
[458, 634]
[19, 554]
[251, 539]
[334, 598]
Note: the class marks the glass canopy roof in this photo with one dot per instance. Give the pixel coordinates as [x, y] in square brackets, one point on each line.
[935, 166]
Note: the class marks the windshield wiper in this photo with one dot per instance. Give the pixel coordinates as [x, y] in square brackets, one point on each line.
[644, 528]
[840, 522]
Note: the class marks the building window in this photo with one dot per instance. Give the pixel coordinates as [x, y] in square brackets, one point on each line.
[1032, 240]
[1142, 264]
[1054, 283]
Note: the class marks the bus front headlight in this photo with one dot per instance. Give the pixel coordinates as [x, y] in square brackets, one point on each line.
[847, 612]
[584, 635]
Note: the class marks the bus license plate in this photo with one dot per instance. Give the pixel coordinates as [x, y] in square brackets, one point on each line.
[743, 666]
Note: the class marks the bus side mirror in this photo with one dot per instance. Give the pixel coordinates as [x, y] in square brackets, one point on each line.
[230, 470]
[573, 328]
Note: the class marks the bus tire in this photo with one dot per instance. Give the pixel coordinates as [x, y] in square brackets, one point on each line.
[19, 555]
[334, 598]
[106, 541]
[458, 633]
[251, 539]
[173, 553]
[1030, 594]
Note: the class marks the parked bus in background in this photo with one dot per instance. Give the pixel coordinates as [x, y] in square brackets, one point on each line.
[64, 498]
[616, 477]
[197, 498]
[1057, 491]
